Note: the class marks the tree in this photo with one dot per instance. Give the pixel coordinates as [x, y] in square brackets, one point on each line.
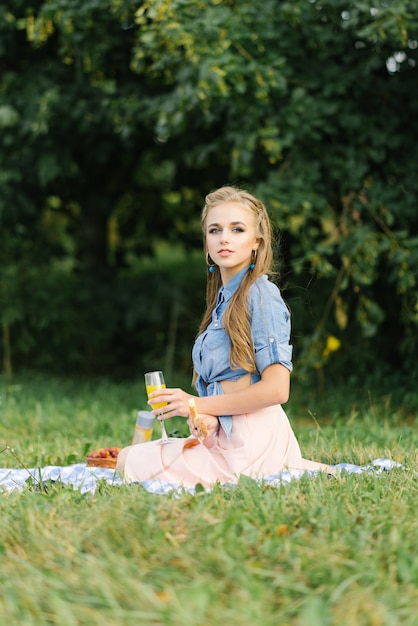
[119, 117]
[313, 104]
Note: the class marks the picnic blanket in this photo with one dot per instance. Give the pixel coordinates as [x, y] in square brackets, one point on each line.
[87, 479]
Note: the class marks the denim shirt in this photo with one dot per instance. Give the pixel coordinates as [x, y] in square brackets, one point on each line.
[270, 328]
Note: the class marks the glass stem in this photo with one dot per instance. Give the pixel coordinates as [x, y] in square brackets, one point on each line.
[164, 436]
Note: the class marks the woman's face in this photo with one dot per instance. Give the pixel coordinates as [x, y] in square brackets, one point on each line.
[230, 237]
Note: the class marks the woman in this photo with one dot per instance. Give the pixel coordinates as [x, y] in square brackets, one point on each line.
[242, 362]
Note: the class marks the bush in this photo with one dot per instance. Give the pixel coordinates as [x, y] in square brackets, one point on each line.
[134, 321]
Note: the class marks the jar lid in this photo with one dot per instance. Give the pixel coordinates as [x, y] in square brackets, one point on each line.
[145, 419]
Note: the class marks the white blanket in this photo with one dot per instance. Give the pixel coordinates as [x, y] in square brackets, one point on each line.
[86, 479]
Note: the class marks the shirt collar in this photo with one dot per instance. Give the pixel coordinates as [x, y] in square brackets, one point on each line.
[232, 285]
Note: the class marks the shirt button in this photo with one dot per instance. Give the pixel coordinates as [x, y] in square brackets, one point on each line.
[271, 339]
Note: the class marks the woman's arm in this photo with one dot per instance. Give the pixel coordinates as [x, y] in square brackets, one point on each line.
[273, 388]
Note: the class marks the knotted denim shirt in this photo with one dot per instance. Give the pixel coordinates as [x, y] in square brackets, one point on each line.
[270, 328]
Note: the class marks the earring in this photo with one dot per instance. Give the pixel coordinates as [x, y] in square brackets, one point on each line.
[253, 260]
[210, 263]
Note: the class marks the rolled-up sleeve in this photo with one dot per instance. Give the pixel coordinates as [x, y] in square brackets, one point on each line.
[270, 326]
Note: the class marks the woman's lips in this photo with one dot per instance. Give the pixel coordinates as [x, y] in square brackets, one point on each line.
[225, 253]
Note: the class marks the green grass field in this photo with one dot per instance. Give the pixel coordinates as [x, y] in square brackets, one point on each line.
[315, 552]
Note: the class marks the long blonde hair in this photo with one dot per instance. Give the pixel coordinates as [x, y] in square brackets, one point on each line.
[236, 316]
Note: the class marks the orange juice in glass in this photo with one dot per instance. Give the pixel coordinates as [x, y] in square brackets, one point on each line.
[150, 389]
[153, 382]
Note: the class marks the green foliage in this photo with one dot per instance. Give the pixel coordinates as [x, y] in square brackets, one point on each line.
[116, 119]
[130, 323]
[309, 552]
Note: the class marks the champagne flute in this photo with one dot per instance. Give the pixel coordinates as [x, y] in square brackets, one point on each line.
[153, 382]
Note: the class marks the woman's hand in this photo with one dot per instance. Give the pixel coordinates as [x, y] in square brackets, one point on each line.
[176, 403]
[211, 422]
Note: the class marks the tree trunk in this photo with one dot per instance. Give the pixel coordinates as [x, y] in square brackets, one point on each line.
[93, 244]
[7, 354]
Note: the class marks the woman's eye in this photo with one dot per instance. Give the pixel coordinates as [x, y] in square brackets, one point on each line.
[216, 231]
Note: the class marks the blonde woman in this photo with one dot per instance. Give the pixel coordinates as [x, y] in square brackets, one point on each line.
[242, 362]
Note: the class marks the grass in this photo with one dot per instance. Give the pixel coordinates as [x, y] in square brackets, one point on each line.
[314, 552]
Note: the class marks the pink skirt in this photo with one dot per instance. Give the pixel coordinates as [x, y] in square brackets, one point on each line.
[261, 444]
